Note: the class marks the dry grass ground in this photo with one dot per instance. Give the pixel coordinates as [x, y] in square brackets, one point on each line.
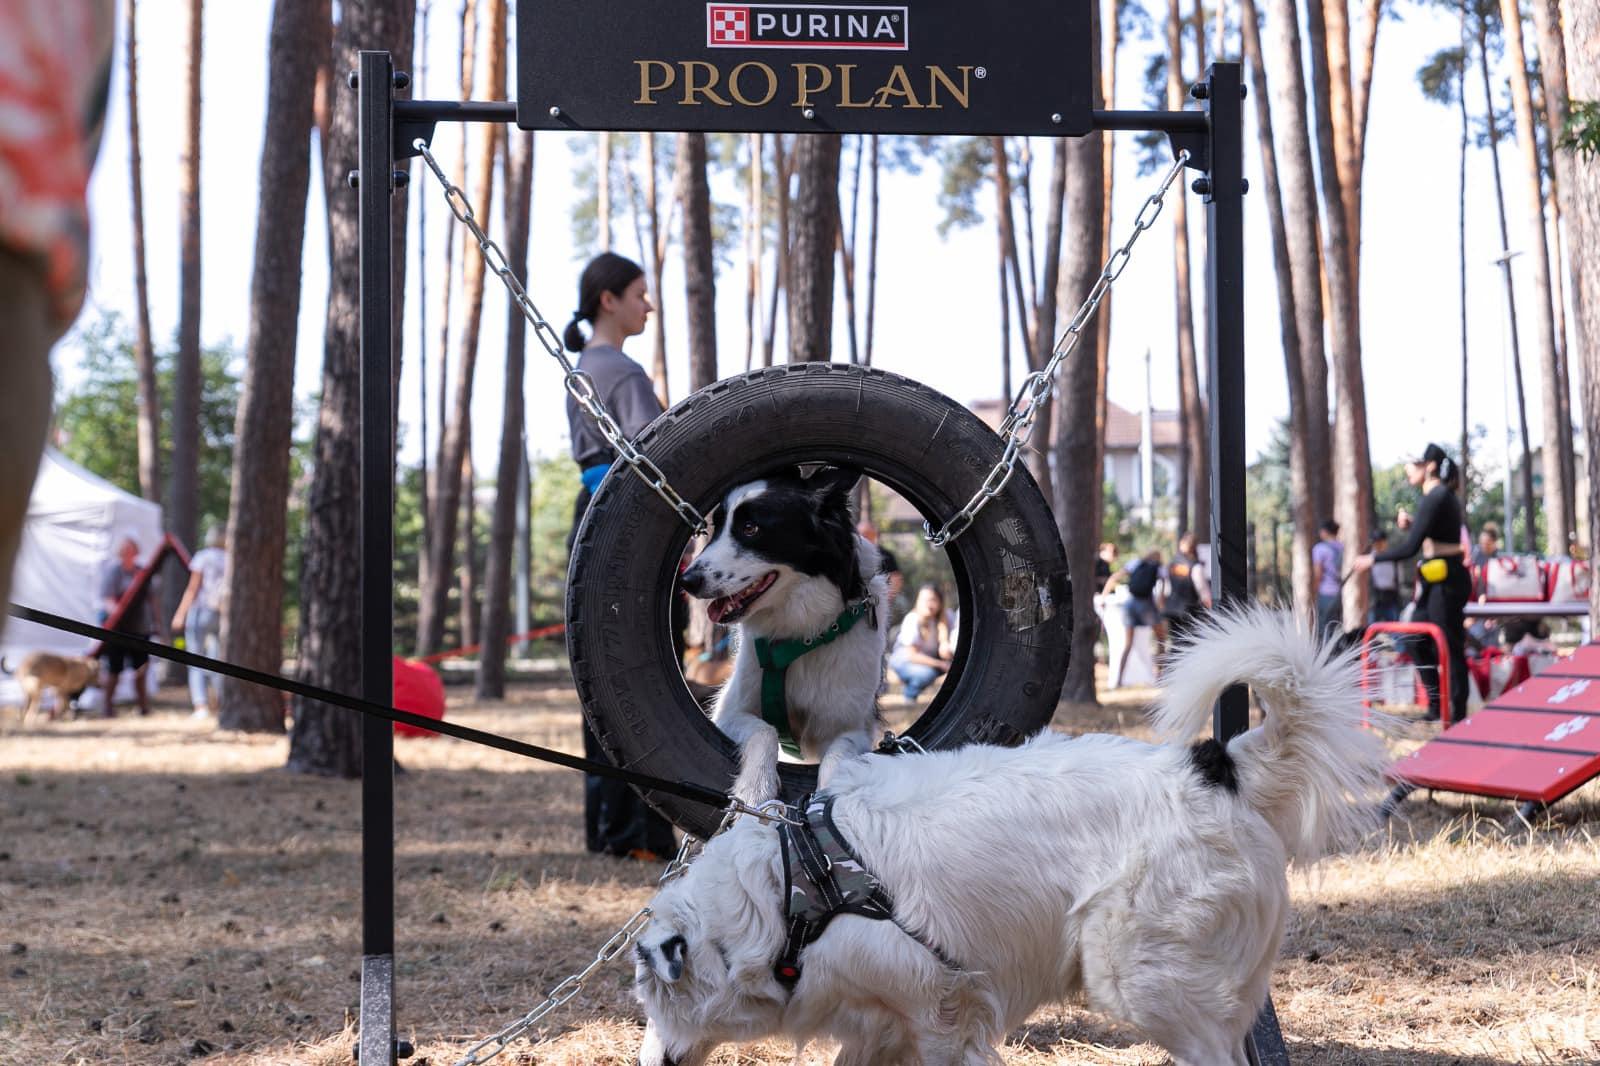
[169, 894]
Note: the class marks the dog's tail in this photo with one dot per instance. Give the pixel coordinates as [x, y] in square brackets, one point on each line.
[1311, 760]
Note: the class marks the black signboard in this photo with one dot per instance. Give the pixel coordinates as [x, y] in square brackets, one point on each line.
[919, 66]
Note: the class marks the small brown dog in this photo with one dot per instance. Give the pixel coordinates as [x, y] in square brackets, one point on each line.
[67, 674]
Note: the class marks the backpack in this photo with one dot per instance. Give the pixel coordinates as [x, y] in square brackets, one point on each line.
[1142, 579]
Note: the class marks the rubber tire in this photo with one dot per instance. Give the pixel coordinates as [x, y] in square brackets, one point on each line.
[1010, 570]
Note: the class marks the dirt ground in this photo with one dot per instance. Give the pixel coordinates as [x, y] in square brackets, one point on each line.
[170, 894]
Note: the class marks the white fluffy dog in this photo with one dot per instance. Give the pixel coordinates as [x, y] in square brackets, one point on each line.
[788, 571]
[1145, 880]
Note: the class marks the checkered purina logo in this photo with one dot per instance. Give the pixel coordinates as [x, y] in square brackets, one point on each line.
[729, 25]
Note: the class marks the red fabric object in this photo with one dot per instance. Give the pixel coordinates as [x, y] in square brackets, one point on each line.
[417, 689]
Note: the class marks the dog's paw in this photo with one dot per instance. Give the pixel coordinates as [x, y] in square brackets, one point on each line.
[756, 785]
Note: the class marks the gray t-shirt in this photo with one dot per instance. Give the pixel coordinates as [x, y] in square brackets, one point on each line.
[627, 393]
[114, 584]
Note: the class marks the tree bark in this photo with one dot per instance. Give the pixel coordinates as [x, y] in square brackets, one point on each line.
[699, 263]
[657, 264]
[1558, 521]
[816, 228]
[144, 352]
[1303, 232]
[1581, 43]
[467, 562]
[468, 34]
[252, 619]
[782, 172]
[1301, 500]
[753, 240]
[496, 628]
[872, 258]
[433, 605]
[327, 740]
[1352, 467]
[847, 257]
[1461, 242]
[1078, 481]
[1052, 290]
[1194, 488]
[602, 185]
[1557, 109]
[1511, 296]
[184, 485]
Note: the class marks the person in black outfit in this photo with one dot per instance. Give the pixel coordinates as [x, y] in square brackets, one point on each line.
[612, 298]
[1446, 582]
[1186, 597]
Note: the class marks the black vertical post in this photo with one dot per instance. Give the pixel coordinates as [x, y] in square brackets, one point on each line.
[1223, 92]
[375, 156]
[1224, 195]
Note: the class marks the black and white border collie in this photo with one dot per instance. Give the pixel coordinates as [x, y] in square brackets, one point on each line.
[784, 563]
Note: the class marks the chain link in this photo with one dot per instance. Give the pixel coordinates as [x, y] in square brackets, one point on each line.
[1017, 428]
[578, 384]
[621, 940]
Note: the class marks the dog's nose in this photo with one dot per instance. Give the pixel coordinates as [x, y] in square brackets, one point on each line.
[693, 580]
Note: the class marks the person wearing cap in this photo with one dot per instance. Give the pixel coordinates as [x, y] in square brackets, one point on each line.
[1446, 584]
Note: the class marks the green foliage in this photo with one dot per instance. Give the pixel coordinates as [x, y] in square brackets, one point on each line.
[1440, 76]
[98, 420]
[555, 490]
[1582, 131]
[964, 166]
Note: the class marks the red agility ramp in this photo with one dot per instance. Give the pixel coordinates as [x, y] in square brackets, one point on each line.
[1538, 742]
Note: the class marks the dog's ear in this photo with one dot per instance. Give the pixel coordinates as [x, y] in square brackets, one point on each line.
[665, 959]
[833, 481]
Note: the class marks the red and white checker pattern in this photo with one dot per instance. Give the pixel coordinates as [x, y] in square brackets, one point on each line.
[728, 25]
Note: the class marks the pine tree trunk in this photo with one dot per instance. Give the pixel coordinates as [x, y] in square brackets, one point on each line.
[1303, 232]
[144, 352]
[1493, 121]
[433, 605]
[816, 227]
[1194, 489]
[699, 263]
[1078, 481]
[602, 184]
[468, 36]
[1051, 289]
[658, 262]
[847, 257]
[782, 172]
[1300, 496]
[467, 562]
[1558, 521]
[327, 740]
[1581, 45]
[1352, 470]
[872, 257]
[1557, 109]
[752, 249]
[183, 484]
[252, 620]
[496, 629]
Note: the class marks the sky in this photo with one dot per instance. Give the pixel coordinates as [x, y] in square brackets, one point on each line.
[937, 304]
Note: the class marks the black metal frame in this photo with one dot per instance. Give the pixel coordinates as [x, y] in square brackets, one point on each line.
[1215, 140]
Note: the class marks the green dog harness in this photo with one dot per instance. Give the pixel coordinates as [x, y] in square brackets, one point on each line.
[776, 656]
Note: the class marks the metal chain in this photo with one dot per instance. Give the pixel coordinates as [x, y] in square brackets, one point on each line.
[621, 940]
[579, 384]
[1018, 425]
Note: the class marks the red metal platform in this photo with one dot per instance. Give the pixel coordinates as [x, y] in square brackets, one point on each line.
[1537, 742]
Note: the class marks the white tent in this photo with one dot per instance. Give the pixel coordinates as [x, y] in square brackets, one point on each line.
[73, 520]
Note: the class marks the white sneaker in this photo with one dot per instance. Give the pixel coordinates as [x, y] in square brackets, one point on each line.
[201, 713]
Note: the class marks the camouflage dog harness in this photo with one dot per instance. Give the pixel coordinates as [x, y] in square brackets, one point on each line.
[824, 878]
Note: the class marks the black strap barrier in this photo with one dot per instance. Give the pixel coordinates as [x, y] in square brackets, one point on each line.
[689, 791]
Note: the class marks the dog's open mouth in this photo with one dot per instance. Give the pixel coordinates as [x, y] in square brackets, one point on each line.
[726, 610]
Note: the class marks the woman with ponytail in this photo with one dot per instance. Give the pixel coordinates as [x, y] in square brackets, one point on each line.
[1446, 584]
[612, 299]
